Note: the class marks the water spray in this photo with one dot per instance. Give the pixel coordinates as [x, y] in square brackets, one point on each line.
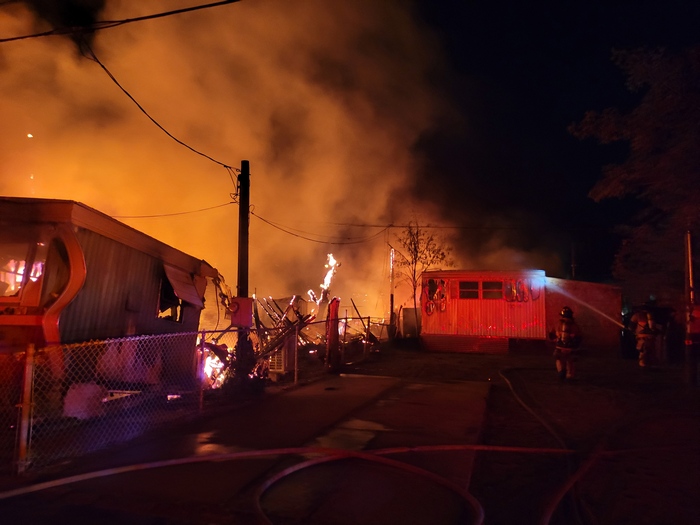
[551, 284]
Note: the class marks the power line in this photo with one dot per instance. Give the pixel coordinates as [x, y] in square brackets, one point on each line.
[107, 24]
[357, 241]
[170, 214]
[480, 227]
[385, 228]
[274, 225]
[298, 231]
[94, 58]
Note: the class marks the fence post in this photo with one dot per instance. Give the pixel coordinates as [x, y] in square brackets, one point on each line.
[344, 345]
[296, 354]
[365, 350]
[26, 410]
[200, 371]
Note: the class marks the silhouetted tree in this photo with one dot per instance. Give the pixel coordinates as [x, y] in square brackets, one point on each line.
[662, 169]
[422, 250]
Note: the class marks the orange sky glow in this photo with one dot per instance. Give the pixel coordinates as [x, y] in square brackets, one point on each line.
[325, 102]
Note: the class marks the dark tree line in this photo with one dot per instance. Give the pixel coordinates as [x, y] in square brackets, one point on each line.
[661, 171]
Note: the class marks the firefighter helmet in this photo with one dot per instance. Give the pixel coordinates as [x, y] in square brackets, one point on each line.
[567, 312]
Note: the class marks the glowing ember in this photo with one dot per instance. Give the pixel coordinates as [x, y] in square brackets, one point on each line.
[312, 296]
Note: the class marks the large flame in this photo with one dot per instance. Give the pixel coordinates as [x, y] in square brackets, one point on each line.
[332, 266]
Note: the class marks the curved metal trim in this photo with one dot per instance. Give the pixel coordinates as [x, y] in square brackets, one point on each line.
[76, 280]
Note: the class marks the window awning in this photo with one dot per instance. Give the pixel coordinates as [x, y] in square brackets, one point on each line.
[183, 285]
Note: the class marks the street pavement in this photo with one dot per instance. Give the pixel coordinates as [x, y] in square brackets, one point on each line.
[406, 437]
[212, 471]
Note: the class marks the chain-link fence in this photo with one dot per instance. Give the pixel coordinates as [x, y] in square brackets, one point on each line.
[88, 396]
[66, 401]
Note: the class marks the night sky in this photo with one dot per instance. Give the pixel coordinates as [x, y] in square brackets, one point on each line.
[355, 115]
[522, 72]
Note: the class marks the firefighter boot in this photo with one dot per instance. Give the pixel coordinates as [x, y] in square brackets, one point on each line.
[561, 369]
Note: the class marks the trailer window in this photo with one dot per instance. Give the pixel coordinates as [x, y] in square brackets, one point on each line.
[492, 290]
[170, 305]
[21, 270]
[469, 289]
[12, 264]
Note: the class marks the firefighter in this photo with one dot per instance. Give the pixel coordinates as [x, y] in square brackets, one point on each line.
[645, 332]
[567, 338]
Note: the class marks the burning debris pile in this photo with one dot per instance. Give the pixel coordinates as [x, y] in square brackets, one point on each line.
[285, 333]
[277, 329]
[286, 324]
[338, 340]
[281, 331]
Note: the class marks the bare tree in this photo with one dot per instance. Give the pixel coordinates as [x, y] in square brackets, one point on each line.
[422, 250]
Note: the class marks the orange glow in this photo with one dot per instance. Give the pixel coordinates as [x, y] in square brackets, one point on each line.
[306, 91]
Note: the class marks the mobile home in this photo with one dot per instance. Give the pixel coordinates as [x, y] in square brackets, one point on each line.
[69, 273]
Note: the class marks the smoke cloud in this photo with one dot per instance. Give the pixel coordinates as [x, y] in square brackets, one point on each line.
[326, 101]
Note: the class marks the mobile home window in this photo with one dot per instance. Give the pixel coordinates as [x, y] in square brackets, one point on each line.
[469, 289]
[13, 261]
[492, 290]
[21, 271]
[169, 305]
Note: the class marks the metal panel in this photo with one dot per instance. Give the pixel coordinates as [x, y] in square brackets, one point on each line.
[120, 295]
[183, 285]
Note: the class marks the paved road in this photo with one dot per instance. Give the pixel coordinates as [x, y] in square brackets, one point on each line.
[629, 438]
[215, 472]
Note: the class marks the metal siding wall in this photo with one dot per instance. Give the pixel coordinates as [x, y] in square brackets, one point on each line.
[526, 320]
[121, 294]
[113, 272]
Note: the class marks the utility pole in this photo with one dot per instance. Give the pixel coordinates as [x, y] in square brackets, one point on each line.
[245, 355]
[392, 317]
[243, 226]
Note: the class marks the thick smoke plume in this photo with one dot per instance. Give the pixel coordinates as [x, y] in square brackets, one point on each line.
[68, 14]
[326, 101]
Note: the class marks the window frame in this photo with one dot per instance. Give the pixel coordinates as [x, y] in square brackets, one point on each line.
[170, 306]
[482, 290]
[492, 290]
[468, 292]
